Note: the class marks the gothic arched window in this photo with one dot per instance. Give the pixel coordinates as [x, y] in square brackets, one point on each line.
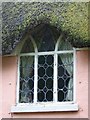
[46, 65]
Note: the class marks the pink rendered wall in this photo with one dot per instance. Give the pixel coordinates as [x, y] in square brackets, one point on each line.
[0, 87]
[9, 73]
[9, 77]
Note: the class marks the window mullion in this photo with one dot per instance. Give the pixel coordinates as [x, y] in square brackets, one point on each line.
[55, 77]
[35, 78]
[74, 74]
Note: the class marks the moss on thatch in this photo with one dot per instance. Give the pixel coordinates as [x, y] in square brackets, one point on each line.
[72, 18]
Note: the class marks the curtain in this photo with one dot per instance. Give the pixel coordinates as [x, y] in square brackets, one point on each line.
[67, 62]
[26, 73]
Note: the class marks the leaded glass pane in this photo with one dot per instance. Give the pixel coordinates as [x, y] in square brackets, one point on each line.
[45, 78]
[65, 77]
[27, 47]
[26, 79]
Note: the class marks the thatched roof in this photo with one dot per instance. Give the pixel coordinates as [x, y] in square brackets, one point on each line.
[18, 18]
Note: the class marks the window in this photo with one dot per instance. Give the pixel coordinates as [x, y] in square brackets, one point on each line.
[46, 71]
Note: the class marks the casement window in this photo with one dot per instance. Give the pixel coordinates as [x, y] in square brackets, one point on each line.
[46, 74]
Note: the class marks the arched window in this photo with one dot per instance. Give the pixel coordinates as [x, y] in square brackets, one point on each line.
[46, 69]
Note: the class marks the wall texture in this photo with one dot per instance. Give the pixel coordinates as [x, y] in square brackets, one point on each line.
[9, 77]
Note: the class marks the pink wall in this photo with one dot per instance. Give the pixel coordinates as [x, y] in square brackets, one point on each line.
[9, 77]
[9, 68]
[0, 87]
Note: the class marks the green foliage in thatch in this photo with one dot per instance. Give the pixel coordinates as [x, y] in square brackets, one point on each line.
[72, 18]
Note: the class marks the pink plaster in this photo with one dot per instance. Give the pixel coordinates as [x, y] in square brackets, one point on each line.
[82, 82]
[9, 88]
[9, 68]
[0, 87]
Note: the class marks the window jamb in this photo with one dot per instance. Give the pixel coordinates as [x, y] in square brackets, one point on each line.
[18, 81]
[55, 82]
[74, 75]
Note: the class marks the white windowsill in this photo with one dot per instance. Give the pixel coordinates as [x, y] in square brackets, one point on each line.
[44, 107]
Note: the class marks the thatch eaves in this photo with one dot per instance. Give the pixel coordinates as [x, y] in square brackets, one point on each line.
[17, 18]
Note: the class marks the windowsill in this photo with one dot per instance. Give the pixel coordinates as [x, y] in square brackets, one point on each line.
[39, 107]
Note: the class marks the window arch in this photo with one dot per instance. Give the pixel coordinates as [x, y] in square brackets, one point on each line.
[46, 70]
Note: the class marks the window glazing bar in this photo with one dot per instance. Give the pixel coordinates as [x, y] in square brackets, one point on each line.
[35, 78]
[74, 74]
[47, 53]
[55, 78]
[64, 52]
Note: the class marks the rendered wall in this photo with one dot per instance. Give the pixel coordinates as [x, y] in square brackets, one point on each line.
[9, 77]
[0, 87]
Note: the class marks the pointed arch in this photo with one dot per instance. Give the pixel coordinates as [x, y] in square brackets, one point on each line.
[29, 41]
[29, 45]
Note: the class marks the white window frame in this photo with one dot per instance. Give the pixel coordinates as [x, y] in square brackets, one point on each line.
[46, 106]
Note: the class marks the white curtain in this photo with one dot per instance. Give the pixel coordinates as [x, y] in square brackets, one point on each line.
[67, 60]
[26, 72]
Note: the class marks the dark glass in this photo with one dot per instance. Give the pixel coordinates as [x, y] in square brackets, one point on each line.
[49, 95]
[60, 83]
[49, 83]
[45, 37]
[45, 78]
[41, 71]
[41, 96]
[41, 83]
[60, 95]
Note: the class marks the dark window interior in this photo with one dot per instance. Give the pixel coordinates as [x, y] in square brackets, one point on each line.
[45, 78]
